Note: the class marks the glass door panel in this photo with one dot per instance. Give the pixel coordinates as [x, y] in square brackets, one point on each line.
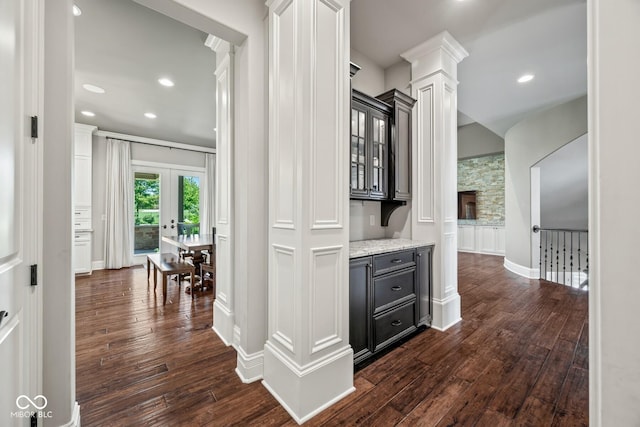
[378, 158]
[146, 212]
[188, 203]
[358, 153]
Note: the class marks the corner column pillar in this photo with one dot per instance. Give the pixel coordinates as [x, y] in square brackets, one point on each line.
[224, 306]
[434, 66]
[308, 362]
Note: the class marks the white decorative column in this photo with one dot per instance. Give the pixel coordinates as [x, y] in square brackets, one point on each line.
[223, 307]
[434, 65]
[308, 362]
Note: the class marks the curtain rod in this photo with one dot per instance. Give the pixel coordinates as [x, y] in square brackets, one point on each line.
[156, 142]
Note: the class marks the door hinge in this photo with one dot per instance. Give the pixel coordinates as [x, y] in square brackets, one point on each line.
[34, 126]
[34, 275]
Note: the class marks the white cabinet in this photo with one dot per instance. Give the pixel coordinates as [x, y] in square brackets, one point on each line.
[82, 185]
[484, 239]
[466, 238]
[82, 252]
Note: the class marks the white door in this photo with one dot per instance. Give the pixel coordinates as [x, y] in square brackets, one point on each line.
[168, 202]
[18, 220]
[180, 214]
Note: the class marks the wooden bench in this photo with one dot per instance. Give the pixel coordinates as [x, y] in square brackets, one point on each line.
[168, 264]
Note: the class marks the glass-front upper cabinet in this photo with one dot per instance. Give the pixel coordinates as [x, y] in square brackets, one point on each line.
[369, 147]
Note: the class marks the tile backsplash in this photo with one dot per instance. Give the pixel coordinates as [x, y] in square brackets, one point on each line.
[485, 175]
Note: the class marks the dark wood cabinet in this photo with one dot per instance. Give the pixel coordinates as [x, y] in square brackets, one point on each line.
[369, 147]
[400, 143]
[389, 298]
[359, 321]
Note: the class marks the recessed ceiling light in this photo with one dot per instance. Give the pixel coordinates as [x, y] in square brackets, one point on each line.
[150, 115]
[165, 82]
[525, 78]
[93, 88]
[88, 113]
[76, 10]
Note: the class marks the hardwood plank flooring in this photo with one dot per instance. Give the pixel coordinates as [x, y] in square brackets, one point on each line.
[518, 358]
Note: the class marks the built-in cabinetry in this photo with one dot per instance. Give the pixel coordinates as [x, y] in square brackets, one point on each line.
[82, 213]
[389, 298]
[381, 149]
[369, 147]
[485, 239]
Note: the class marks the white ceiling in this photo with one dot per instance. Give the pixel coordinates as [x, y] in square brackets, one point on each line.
[504, 38]
[124, 48]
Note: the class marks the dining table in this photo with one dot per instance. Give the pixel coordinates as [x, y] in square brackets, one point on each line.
[194, 243]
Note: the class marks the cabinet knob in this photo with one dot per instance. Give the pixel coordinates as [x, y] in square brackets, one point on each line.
[396, 323]
[396, 288]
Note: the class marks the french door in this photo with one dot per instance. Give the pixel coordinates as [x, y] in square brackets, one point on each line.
[167, 202]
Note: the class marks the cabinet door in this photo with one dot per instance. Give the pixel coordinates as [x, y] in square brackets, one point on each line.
[359, 296]
[82, 254]
[424, 284]
[466, 238]
[401, 154]
[82, 181]
[378, 144]
[500, 240]
[487, 239]
[358, 150]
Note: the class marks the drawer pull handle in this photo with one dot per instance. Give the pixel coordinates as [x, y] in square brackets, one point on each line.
[396, 323]
[396, 261]
[396, 288]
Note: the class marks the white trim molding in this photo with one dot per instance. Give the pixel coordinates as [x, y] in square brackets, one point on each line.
[97, 265]
[75, 417]
[250, 366]
[520, 270]
[446, 312]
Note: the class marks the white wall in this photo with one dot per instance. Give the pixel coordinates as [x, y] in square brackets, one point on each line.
[398, 76]
[475, 140]
[564, 195]
[614, 347]
[526, 143]
[370, 78]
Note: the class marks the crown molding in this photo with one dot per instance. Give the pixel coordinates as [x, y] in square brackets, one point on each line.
[443, 41]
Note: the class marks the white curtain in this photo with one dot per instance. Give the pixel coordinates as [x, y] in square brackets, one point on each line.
[207, 219]
[119, 205]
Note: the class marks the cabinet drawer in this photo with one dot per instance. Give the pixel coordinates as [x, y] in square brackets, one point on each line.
[81, 237]
[393, 261]
[81, 224]
[82, 213]
[393, 288]
[396, 322]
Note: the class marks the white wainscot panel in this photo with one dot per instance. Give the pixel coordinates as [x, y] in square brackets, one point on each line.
[284, 117]
[223, 267]
[328, 142]
[285, 295]
[425, 166]
[450, 247]
[325, 305]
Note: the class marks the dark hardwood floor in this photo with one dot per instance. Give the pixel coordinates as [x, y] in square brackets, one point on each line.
[518, 358]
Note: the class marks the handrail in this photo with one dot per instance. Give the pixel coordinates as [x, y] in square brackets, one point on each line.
[537, 228]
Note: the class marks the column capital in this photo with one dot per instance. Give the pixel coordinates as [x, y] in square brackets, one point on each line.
[218, 45]
[440, 53]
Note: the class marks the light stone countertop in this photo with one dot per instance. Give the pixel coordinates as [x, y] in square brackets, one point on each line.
[360, 248]
[481, 222]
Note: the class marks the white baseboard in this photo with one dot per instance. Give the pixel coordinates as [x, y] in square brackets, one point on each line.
[75, 417]
[97, 265]
[446, 312]
[250, 367]
[520, 270]
[223, 321]
[306, 391]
